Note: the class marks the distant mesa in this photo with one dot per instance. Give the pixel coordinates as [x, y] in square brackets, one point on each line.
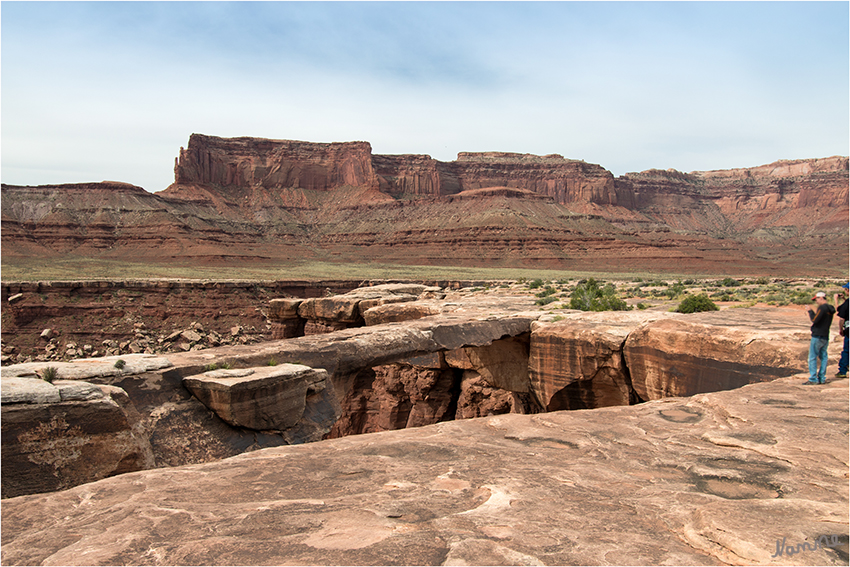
[261, 200]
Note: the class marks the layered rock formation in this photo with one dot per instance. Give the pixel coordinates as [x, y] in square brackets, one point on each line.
[470, 356]
[740, 477]
[259, 200]
[62, 434]
[273, 397]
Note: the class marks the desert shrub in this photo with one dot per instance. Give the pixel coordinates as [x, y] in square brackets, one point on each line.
[546, 300]
[591, 297]
[119, 364]
[802, 297]
[641, 306]
[696, 304]
[723, 296]
[535, 284]
[675, 290]
[49, 374]
[547, 291]
[729, 282]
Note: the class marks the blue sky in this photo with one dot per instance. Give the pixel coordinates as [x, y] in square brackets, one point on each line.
[97, 91]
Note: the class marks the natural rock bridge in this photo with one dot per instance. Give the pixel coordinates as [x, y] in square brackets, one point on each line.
[754, 474]
[423, 357]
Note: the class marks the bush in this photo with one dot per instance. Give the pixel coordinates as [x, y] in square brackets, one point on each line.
[590, 297]
[119, 364]
[547, 291]
[723, 296]
[675, 290]
[696, 304]
[535, 284]
[729, 282]
[546, 300]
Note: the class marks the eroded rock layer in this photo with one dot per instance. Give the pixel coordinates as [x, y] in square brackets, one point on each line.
[456, 357]
[248, 199]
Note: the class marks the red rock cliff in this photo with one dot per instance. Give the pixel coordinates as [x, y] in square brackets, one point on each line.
[286, 164]
[246, 162]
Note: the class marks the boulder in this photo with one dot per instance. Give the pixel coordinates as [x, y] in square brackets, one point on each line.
[478, 398]
[284, 319]
[272, 397]
[60, 435]
[327, 314]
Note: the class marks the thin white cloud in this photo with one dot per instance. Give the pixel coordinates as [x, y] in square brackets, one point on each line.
[111, 90]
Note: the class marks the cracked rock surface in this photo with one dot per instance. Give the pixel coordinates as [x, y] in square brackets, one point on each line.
[718, 478]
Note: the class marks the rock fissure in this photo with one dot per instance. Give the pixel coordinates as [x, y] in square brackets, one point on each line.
[460, 360]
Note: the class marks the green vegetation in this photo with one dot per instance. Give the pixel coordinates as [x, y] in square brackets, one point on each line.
[589, 296]
[696, 304]
[547, 291]
[675, 290]
[49, 374]
[79, 268]
[119, 364]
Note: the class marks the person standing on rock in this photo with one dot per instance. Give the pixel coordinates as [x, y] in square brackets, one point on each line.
[821, 322]
[843, 331]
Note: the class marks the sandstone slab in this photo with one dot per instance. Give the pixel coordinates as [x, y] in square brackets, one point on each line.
[704, 352]
[393, 312]
[66, 433]
[273, 397]
[719, 478]
[87, 368]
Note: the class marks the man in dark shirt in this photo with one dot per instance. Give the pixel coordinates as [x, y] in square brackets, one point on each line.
[842, 329]
[821, 322]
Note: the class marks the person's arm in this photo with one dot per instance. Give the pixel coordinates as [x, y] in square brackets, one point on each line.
[812, 315]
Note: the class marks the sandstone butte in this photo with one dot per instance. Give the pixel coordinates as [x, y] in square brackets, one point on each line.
[446, 430]
[250, 200]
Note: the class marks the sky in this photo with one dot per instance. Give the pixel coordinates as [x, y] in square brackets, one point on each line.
[93, 91]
